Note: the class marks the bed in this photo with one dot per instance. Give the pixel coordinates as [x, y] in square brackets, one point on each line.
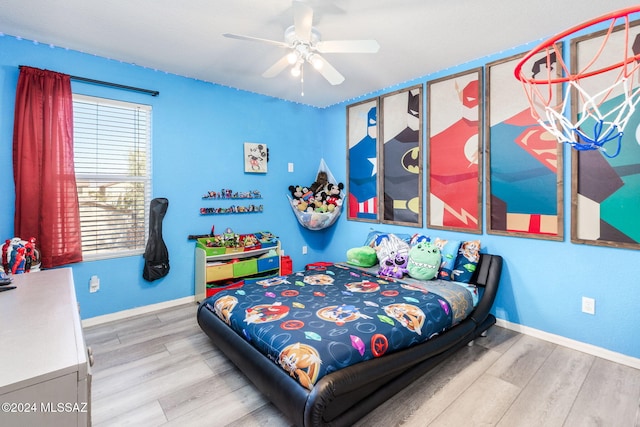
[330, 344]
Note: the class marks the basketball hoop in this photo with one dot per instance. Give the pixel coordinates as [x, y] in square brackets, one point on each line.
[601, 117]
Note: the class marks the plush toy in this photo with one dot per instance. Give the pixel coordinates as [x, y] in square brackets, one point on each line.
[395, 265]
[320, 183]
[296, 191]
[321, 207]
[302, 205]
[393, 256]
[424, 260]
[307, 194]
[335, 189]
[363, 256]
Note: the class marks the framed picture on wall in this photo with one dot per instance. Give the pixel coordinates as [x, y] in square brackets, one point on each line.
[524, 162]
[362, 161]
[454, 147]
[401, 137]
[255, 157]
[605, 191]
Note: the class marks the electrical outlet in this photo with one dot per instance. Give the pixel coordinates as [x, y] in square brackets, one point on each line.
[290, 167]
[304, 250]
[588, 305]
[94, 284]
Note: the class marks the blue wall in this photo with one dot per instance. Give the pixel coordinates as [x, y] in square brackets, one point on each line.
[199, 131]
[543, 282]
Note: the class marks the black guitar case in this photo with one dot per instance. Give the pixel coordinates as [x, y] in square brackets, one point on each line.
[156, 255]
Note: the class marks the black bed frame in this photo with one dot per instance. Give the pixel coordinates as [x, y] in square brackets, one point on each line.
[343, 397]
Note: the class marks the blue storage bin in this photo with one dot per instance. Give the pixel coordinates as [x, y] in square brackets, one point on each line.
[268, 263]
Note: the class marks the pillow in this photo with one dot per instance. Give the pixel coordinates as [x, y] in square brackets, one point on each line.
[418, 238]
[449, 253]
[466, 261]
[363, 256]
[375, 237]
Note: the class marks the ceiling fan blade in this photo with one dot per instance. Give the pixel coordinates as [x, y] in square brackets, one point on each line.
[302, 20]
[255, 39]
[348, 46]
[276, 68]
[332, 75]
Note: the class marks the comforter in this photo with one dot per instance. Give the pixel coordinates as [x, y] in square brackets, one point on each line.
[316, 322]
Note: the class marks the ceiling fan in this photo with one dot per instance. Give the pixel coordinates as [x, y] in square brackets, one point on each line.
[303, 43]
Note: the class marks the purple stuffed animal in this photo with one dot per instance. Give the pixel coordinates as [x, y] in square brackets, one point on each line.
[393, 256]
[395, 265]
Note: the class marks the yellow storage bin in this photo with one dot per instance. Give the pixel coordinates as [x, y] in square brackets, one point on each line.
[234, 250]
[219, 272]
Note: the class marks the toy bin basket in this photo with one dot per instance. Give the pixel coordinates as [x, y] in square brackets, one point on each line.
[316, 220]
[319, 220]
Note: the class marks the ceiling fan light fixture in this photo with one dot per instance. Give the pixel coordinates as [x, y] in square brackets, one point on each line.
[316, 61]
[296, 70]
[292, 57]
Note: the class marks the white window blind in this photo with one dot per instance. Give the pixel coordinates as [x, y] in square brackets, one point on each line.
[112, 153]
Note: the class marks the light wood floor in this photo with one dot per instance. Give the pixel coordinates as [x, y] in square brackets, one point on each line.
[160, 369]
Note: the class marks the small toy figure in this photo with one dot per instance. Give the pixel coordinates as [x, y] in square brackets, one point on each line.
[6, 255]
[18, 260]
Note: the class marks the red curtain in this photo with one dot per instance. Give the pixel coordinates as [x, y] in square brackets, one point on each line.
[43, 170]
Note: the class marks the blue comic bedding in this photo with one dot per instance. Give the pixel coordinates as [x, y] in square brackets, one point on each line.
[318, 321]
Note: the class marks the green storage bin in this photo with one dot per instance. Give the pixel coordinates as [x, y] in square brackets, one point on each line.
[245, 268]
[210, 250]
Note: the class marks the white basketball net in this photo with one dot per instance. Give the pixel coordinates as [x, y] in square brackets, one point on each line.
[603, 116]
[594, 128]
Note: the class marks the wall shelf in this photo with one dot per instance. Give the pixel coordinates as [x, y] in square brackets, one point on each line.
[231, 210]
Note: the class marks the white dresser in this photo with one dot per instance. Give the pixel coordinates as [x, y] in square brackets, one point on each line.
[45, 377]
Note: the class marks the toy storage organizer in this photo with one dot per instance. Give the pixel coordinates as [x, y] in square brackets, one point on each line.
[219, 267]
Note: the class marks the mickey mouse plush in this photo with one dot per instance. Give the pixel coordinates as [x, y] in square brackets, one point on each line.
[335, 189]
[296, 191]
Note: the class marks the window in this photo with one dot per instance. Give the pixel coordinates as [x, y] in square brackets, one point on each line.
[112, 153]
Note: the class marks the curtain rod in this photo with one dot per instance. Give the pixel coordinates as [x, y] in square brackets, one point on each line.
[116, 85]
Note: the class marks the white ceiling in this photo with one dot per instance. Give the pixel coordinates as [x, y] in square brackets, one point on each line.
[416, 37]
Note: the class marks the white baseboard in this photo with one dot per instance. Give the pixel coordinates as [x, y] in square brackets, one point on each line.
[92, 321]
[573, 344]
